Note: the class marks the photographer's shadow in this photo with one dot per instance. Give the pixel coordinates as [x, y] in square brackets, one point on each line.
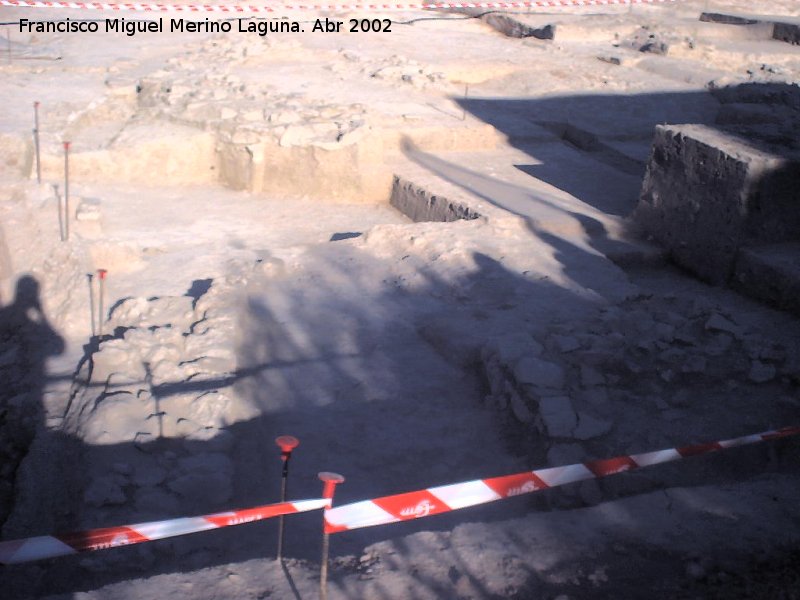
[27, 340]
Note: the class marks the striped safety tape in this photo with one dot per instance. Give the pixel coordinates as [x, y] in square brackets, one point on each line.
[436, 500]
[48, 546]
[233, 8]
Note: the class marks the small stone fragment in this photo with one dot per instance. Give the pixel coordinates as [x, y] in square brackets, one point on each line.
[509, 348]
[719, 345]
[665, 332]
[684, 337]
[558, 415]
[694, 364]
[681, 398]
[591, 376]
[590, 427]
[596, 395]
[761, 372]
[105, 491]
[661, 404]
[88, 210]
[719, 323]
[122, 468]
[538, 372]
[148, 476]
[520, 409]
[695, 570]
[773, 352]
[566, 343]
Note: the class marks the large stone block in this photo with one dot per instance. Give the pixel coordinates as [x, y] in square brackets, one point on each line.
[707, 193]
[787, 32]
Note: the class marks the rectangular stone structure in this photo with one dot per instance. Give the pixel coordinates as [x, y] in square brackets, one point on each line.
[707, 193]
[419, 204]
[787, 32]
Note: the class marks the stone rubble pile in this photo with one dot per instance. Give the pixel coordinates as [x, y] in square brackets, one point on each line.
[151, 406]
[191, 92]
[655, 358]
[401, 69]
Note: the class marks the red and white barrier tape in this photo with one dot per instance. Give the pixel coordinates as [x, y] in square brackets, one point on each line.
[436, 500]
[367, 513]
[232, 8]
[48, 546]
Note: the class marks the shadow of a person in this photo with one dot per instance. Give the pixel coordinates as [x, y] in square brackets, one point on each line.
[26, 341]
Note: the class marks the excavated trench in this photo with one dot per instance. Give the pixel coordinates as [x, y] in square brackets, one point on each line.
[114, 235]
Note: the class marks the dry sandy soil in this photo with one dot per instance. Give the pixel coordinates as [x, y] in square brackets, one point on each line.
[237, 189]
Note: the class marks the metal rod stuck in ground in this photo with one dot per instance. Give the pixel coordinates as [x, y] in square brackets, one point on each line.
[59, 211]
[66, 190]
[330, 481]
[286, 443]
[90, 277]
[101, 274]
[36, 142]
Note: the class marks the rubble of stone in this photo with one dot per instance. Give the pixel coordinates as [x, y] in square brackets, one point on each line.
[653, 358]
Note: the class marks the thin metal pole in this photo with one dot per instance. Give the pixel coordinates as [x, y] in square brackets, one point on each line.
[36, 141]
[330, 480]
[60, 212]
[90, 277]
[286, 443]
[101, 273]
[66, 190]
[323, 569]
[284, 477]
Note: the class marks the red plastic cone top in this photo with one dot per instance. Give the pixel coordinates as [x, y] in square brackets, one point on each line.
[331, 480]
[101, 273]
[286, 443]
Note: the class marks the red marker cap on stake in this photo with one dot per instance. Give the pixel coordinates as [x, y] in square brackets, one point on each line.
[331, 480]
[286, 443]
[67, 145]
[36, 104]
[101, 273]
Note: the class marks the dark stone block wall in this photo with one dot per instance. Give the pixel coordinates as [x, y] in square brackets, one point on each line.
[707, 193]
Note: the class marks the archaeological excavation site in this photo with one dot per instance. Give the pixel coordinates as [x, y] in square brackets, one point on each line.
[411, 301]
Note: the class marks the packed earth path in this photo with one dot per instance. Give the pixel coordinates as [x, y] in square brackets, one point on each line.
[407, 240]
